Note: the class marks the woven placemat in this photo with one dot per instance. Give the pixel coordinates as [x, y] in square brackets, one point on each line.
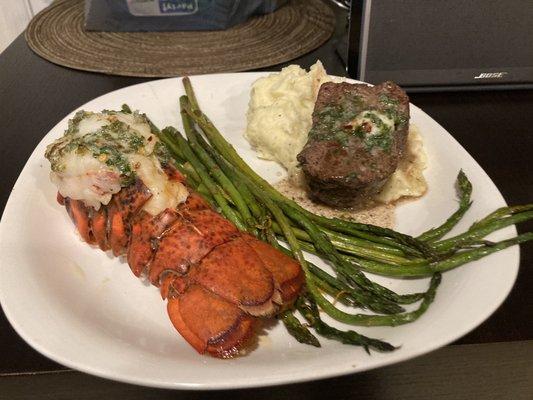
[57, 34]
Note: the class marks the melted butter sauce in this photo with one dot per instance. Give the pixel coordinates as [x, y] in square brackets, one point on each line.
[367, 212]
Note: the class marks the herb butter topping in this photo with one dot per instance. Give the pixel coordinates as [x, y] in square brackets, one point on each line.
[339, 123]
[100, 153]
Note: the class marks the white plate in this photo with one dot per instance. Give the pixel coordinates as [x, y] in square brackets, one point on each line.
[84, 309]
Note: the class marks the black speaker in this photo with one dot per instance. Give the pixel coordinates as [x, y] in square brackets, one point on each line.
[429, 45]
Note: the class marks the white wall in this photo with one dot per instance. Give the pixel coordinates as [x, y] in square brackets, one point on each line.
[14, 17]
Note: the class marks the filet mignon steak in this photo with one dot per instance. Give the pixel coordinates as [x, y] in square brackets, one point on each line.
[357, 138]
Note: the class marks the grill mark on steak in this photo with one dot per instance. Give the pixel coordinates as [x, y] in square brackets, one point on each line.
[358, 136]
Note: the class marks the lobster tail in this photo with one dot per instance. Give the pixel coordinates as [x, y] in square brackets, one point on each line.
[218, 282]
[209, 323]
[81, 216]
[120, 211]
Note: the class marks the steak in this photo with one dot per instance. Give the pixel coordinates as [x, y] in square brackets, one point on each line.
[358, 136]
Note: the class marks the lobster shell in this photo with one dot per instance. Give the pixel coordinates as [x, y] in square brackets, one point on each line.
[219, 282]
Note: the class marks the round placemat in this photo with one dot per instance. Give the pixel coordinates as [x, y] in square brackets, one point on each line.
[57, 34]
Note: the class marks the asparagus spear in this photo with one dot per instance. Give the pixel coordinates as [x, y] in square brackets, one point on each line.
[349, 247]
[326, 249]
[452, 261]
[206, 179]
[257, 210]
[297, 330]
[309, 310]
[501, 213]
[480, 252]
[480, 231]
[465, 191]
[215, 170]
[381, 320]
[190, 93]
[358, 297]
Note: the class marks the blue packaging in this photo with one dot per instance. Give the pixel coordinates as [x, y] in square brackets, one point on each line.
[172, 15]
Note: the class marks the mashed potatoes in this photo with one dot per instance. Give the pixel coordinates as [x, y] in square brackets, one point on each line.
[407, 180]
[279, 119]
[279, 113]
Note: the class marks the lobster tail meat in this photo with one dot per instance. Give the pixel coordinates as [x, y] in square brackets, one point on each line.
[219, 282]
[234, 272]
[99, 228]
[285, 270]
[122, 207]
[145, 234]
[80, 215]
[209, 323]
[192, 236]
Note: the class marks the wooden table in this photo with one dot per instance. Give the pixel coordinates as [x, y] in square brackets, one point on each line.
[495, 361]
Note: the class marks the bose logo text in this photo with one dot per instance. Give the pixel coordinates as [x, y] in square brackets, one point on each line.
[490, 75]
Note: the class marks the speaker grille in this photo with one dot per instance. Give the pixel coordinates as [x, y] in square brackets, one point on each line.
[424, 42]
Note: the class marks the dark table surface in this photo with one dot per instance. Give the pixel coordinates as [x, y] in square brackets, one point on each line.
[492, 362]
